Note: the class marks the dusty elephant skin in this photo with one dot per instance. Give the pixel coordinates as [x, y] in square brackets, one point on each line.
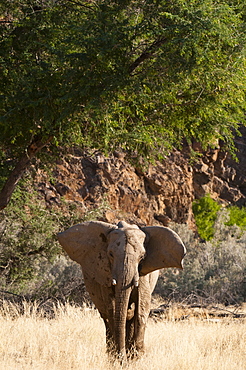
[120, 265]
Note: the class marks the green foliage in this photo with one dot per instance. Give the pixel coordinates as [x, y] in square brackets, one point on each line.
[28, 245]
[134, 74]
[27, 232]
[205, 212]
[237, 216]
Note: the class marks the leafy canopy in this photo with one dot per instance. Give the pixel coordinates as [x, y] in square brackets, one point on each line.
[106, 74]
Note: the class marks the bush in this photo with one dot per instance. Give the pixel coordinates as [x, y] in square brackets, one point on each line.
[205, 212]
[29, 251]
[237, 216]
[27, 240]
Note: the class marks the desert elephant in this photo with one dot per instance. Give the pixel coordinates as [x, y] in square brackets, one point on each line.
[120, 265]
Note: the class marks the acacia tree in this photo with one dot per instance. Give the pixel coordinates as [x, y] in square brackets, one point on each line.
[136, 75]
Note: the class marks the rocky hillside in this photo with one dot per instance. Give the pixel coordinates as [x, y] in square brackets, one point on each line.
[160, 193]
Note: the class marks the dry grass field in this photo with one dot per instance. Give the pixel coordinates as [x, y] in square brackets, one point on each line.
[74, 339]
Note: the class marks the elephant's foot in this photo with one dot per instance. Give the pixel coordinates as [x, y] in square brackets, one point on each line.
[115, 355]
[135, 352]
[110, 347]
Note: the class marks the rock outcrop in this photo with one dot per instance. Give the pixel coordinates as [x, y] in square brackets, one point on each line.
[162, 192]
[222, 176]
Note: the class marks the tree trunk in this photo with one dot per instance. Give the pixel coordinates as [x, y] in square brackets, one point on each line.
[20, 168]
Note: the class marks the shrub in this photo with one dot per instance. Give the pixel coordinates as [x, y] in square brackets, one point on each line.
[28, 246]
[237, 216]
[27, 236]
[205, 212]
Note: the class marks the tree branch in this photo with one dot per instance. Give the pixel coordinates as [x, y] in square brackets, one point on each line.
[147, 54]
[80, 4]
[23, 163]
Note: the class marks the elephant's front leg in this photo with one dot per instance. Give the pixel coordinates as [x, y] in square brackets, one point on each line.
[129, 335]
[107, 315]
[142, 314]
[135, 330]
[130, 322]
[109, 337]
[140, 327]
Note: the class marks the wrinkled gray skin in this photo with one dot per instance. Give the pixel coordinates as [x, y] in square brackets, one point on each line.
[121, 265]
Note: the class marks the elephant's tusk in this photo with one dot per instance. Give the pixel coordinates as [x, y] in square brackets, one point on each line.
[114, 282]
[136, 283]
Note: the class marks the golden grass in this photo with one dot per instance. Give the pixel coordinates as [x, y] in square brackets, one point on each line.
[74, 339]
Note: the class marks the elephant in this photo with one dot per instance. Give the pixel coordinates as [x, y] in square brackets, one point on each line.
[120, 265]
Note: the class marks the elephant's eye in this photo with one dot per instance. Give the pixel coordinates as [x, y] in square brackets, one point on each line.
[111, 255]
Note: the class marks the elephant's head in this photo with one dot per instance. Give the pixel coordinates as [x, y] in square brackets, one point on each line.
[125, 251]
[117, 255]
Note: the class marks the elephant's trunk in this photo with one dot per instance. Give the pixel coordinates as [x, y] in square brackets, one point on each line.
[123, 290]
[121, 305]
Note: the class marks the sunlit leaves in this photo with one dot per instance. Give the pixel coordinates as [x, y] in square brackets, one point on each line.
[137, 75]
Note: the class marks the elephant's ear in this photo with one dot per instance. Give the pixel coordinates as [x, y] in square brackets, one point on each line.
[86, 243]
[164, 248]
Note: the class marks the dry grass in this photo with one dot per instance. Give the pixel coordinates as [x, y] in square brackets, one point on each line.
[74, 339]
